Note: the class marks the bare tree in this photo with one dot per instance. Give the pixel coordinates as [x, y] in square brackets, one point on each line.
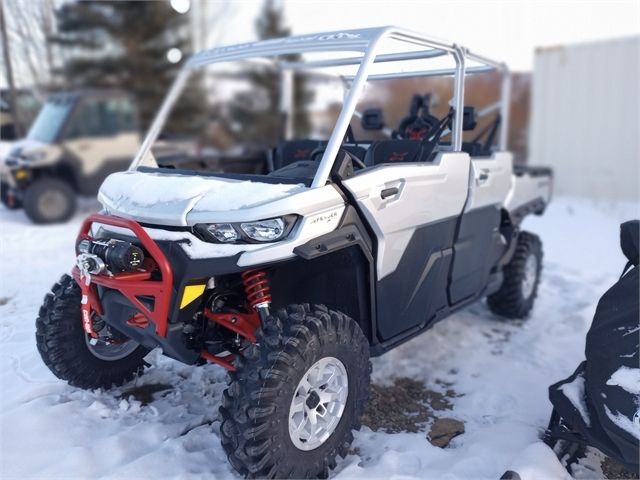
[9, 69]
[29, 27]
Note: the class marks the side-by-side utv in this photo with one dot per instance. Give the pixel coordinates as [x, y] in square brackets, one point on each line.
[344, 249]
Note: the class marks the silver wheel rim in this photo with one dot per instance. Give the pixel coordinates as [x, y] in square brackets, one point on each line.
[529, 277]
[318, 403]
[52, 204]
[110, 352]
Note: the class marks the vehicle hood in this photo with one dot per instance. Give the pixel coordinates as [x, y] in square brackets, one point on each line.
[25, 146]
[5, 147]
[166, 199]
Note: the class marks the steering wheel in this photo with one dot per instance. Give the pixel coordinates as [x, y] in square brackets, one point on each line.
[320, 150]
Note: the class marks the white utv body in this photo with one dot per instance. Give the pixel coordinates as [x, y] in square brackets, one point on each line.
[291, 279]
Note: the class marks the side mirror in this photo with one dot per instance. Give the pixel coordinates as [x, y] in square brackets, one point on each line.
[372, 119]
[469, 119]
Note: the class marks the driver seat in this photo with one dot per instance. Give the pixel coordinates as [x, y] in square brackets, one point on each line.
[294, 150]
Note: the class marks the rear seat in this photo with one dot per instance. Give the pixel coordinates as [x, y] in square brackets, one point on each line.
[394, 151]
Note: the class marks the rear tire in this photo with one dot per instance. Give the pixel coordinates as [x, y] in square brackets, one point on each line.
[63, 345]
[49, 200]
[521, 278]
[271, 394]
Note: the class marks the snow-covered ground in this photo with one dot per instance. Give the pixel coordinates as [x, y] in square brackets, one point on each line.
[500, 371]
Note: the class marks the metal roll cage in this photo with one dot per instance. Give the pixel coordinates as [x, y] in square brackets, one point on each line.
[368, 42]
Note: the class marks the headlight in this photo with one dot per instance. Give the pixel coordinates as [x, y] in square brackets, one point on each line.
[223, 232]
[261, 231]
[33, 156]
[264, 230]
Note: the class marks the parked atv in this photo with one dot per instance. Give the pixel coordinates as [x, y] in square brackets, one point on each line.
[292, 279]
[77, 140]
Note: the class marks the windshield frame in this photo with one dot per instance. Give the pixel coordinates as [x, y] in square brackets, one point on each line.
[368, 43]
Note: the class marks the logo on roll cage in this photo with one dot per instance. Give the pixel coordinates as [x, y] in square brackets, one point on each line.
[274, 42]
[339, 36]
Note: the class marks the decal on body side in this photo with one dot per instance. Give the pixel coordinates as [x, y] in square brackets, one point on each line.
[308, 228]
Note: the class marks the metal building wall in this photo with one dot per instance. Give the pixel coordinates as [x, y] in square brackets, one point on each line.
[585, 118]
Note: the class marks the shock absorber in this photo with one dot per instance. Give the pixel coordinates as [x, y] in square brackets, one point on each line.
[258, 291]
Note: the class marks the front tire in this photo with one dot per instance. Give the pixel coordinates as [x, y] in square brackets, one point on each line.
[13, 204]
[309, 362]
[49, 200]
[63, 346]
[521, 278]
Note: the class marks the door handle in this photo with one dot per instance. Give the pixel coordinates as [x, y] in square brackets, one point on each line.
[483, 177]
[389, 192]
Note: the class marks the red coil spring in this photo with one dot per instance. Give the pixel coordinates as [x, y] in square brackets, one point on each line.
[256, 287]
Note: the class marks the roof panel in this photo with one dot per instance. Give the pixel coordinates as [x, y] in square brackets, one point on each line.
[344, 40]
[359, 40]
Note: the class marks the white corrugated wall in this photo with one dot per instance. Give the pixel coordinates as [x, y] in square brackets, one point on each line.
[585, 118]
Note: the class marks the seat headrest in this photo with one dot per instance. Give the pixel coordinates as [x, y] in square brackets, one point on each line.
[419, 123]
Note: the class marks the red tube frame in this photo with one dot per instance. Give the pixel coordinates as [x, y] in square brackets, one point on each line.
[226, 361]
[134, 284]
[244, 324]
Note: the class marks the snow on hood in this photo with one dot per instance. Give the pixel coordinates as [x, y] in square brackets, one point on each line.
[168, 198]
[5, 148]
[17, 148]
[26, 145]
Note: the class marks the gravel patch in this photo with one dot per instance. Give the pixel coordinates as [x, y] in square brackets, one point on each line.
[612, 469]
[407, 405]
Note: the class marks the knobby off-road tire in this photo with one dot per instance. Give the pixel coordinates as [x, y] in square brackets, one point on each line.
[63, 345]
[256, 407]
[49, 200]
[521, 278]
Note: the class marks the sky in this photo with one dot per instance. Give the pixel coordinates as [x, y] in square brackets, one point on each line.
[506, 30]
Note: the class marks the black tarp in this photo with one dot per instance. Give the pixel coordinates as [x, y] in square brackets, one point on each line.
[587, 409]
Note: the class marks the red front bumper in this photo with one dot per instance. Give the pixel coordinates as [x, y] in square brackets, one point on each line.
[134, 284]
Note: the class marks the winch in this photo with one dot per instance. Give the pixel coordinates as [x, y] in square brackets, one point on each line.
[110, 255]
